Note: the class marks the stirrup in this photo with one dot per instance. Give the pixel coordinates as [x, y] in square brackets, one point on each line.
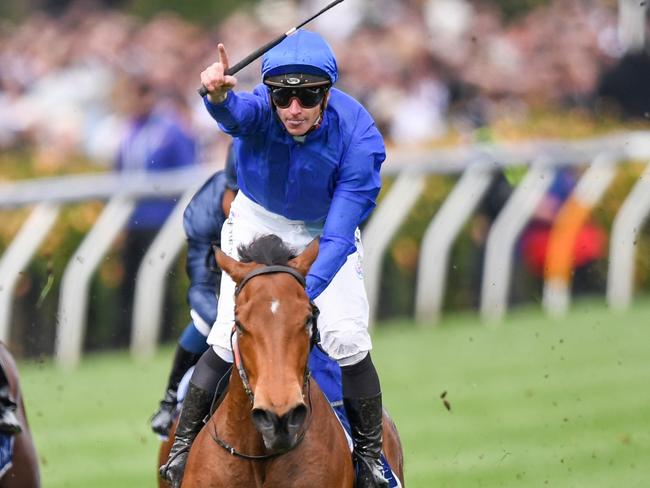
[369, 473]
[171, 464]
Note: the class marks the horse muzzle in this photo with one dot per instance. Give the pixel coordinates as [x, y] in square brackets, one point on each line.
[279, 432]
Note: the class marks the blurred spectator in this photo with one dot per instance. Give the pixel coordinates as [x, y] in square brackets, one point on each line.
[627, 85]
[56, 93]
[588, 248]
[158, 139]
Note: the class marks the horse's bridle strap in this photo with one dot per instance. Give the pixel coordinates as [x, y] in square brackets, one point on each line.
[261, 457]
[269, 270]
[313, 321]
[239, 364]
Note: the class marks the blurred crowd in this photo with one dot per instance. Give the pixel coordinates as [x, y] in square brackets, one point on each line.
[66, 81]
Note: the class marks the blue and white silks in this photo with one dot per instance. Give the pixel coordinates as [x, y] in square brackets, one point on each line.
[330, 180]
[202, 221]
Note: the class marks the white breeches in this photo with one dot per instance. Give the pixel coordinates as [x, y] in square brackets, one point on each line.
[343, 320]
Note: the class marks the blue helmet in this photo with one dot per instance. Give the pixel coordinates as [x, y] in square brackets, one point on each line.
[302, 53]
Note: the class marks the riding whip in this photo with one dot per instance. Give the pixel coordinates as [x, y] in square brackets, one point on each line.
[203, 91]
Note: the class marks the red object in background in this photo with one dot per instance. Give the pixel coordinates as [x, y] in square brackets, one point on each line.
[588, 247]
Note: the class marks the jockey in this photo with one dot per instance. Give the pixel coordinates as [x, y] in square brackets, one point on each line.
[308, 159]
[9, 424]
[202, 221]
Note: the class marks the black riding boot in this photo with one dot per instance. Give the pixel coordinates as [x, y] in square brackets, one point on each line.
[365, 415]
[196, 406]
[162, 419]
[9, 423]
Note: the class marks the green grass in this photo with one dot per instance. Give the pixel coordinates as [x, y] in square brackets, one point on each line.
[534, 403]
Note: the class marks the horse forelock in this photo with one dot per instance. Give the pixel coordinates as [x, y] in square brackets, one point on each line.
[268, 249]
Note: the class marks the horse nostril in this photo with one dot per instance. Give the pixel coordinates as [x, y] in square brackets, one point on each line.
[296, 417]
[264, 420]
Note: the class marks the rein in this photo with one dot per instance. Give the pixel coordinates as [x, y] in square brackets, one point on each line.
[262, 457]
[241, 370]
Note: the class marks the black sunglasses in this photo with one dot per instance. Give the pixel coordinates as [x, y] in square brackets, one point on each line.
[307, 97]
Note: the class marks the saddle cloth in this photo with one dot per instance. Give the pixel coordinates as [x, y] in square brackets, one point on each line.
[6, 453]
[327, 373]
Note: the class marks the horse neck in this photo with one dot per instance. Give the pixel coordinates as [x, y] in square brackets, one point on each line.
[236, 397]
[235, 415]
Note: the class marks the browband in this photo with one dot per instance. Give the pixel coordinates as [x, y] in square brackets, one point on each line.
[270, 270]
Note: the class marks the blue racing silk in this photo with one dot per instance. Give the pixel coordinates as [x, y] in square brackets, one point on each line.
[202, 220]
[330, 180]
[156, 143]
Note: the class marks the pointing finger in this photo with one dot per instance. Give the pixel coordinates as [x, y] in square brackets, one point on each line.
[223, 57]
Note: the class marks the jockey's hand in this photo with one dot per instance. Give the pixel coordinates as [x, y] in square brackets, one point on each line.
[215, 80]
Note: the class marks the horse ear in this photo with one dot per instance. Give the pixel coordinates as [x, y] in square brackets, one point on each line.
[232, 267]
[304, 260]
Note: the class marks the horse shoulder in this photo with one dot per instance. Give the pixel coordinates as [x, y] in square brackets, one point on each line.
[325, 425]
[223, 469]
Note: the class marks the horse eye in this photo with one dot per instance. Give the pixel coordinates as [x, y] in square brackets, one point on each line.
[240, 327]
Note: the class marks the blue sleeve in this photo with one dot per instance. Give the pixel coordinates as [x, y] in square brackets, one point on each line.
[241, 114]
[202, 220]
[355, 195]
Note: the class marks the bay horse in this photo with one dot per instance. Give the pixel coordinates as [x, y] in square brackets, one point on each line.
[24, 472]
[274, 427]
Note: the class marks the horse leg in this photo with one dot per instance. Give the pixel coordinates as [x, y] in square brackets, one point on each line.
[392, 446]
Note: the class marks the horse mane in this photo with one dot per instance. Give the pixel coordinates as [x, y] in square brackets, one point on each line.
[268, 249]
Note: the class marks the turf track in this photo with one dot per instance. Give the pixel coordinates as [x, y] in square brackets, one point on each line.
[534, 403]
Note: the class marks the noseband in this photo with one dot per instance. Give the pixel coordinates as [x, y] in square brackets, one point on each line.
[312, 323]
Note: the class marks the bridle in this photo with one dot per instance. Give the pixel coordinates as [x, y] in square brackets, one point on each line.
[312, 324]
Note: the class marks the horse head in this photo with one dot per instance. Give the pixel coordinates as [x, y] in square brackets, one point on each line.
[272, 336]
